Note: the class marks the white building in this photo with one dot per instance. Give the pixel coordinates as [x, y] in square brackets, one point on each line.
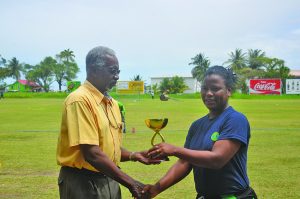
[192, 83]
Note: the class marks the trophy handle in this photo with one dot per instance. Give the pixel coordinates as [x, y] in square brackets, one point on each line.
[155, 134]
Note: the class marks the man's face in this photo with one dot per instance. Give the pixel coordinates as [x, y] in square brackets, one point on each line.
[214, 93]
[106, 77]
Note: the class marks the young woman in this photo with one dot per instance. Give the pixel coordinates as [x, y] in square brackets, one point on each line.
[215, 148]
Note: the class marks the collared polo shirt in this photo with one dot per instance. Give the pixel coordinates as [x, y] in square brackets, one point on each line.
[232, 178]
[89, 118]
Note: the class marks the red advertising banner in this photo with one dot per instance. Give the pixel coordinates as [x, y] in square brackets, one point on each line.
[265, 86]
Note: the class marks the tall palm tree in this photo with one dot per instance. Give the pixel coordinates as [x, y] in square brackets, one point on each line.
[237, 59]
[201, 64]
[15, 68]
[255, 58]
[67, 55]
[66, 69]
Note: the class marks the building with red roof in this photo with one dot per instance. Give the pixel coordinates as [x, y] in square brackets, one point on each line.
[295, 73]
[24, 86]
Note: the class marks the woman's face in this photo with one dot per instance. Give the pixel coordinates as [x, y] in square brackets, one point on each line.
[214, 93]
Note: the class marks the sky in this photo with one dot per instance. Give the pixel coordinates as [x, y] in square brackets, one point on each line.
[151, 38]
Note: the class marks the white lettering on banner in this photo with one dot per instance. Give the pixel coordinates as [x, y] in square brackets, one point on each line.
[266, 86]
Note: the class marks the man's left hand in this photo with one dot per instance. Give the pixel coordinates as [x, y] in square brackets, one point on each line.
[144, 158]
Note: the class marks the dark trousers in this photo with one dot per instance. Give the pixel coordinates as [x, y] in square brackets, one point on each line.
[84, 184]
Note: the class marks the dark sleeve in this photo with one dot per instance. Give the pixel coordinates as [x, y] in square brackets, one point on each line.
[191, 132]
[236, 127]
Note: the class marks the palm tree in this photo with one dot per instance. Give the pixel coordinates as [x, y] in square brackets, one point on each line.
[67, 55]
[2, 60]
[15, 68]
[237, 59]
[66, 69]
[201, 64]
[255, 58]
[137, 78]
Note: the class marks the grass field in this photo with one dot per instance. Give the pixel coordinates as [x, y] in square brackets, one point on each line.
[29, 128]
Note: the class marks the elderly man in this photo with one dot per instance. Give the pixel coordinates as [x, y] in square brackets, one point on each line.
[89, 145]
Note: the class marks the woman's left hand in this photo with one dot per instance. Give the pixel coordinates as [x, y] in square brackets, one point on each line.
[162, 150]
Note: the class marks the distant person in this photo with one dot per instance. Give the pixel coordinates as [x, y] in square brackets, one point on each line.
[89, 147]
[1, 93]
[152, 94]
[122, 111]
[215, 148]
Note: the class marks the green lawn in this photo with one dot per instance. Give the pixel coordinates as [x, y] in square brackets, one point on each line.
[29, 128]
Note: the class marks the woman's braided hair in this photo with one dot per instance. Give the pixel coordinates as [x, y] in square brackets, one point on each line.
[226, 73]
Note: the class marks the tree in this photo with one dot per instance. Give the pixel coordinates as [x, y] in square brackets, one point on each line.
[15, 68]
[272, 66]
[174, 85]
[255, 58]
[67, 55]
[284, 74]
[3, 74]
[237, 60]
[201, 64]
[2, 61]
[246, 74]
[275, 68]
[137, 78]
[66, 69]
[43, 73]
[3, 70]
[165, 85]
[155, 88]
[178, 85]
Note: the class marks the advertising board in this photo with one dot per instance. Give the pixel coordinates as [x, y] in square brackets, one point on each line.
[73, 85]
[265, 86]
[130, 87]
[292, 86]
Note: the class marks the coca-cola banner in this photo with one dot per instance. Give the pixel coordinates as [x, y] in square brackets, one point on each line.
[265, 86]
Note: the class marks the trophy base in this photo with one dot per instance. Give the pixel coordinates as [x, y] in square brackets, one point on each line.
[161, 159]
[165, 159]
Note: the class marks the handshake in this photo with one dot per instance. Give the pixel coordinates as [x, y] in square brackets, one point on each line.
[141, 191]
[155, 155]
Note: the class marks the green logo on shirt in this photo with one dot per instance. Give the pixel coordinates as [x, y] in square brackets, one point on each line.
[214, 137]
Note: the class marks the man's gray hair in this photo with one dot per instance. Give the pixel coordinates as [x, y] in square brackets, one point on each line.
[97, 56]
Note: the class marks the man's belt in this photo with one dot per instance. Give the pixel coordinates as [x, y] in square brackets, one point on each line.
[83, 171]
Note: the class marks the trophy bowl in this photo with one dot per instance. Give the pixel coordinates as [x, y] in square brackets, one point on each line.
[156, 124]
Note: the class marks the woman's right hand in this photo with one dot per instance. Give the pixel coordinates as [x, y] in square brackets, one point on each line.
[153, 190]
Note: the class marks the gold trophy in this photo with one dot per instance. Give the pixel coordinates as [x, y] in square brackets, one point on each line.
[156, 125]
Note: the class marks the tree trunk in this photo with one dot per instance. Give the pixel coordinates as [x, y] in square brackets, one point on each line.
[59, 85]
